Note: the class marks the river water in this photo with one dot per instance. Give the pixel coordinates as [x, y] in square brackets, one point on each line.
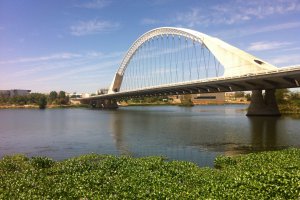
[196, 134]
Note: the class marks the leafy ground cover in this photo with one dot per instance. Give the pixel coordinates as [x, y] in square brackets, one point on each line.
[266, 175]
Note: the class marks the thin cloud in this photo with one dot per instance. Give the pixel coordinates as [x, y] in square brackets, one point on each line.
[276, 27]
[247, 31]
[50, 72]
[95, 4]
[292, 49]
[37, 65]
[149, 21]
[284, 60]
[232, 12]
[159, 2]
[93, 27]
[264, 45]
[238, 11]
[191, 18]
[41, 58]
[79, 71]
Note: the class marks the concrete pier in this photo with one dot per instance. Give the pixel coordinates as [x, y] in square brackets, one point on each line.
[104, 104]
[263, 106]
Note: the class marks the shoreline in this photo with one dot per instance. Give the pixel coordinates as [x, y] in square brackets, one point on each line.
[284, 109]
[37, 107]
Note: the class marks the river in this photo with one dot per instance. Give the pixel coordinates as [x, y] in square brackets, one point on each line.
[196, 134]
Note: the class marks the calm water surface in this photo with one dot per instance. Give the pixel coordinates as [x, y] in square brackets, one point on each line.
[196, 134]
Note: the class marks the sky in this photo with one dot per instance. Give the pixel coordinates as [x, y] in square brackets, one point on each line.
[77, 46]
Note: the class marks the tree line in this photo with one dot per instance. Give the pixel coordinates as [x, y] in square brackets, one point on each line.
[42, 100]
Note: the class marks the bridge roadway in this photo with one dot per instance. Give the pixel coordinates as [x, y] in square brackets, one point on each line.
[287, 77]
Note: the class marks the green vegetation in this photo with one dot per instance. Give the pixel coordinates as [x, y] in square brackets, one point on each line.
[30, 99]
[58, 99]
[239, 94]
[35, 100]
[42, 102]
[288, 102]
[186, 100]
[161, 100]
[267, 175]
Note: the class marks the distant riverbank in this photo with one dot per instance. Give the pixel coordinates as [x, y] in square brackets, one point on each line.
[283, 108]
[32, 106]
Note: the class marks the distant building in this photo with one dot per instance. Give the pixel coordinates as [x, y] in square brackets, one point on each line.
[14, 92]
[85, 95]
[74, 95]
[102, 91]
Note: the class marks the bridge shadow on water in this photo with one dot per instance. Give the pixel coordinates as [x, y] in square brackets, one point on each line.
[263, 134]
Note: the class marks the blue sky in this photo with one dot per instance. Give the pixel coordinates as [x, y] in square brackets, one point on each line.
[77, 46]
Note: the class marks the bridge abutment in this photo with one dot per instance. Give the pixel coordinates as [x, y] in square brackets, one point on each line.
[263, 106]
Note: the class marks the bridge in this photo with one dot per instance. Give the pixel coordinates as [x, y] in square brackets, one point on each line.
[179, 61]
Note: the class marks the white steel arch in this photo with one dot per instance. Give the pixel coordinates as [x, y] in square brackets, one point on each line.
[234, 60]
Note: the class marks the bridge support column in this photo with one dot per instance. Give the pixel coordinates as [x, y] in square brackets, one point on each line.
[104, 104]
[263, 106]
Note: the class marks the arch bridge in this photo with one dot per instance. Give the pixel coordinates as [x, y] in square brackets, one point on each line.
[176, 61]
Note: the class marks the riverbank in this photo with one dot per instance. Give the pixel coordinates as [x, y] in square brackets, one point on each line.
[289, 109]
[32, 106]
[266, 175]
[180, 104]
[285, 109]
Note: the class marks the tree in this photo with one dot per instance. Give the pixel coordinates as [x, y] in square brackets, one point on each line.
[62, 95]
[62, 98]
[52, 96]
[248, 97]
[239, 94]
[42, 102]
[282, 95]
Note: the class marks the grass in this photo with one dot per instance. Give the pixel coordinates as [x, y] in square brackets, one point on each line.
[267, 175]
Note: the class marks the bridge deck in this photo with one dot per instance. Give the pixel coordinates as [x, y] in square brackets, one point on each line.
[288, 77]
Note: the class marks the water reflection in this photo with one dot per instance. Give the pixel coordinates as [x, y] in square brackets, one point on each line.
[116, 125]
[264, 133]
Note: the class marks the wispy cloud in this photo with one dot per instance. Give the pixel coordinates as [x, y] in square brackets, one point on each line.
[93, 27]
[284, 60]
[191, 18]
[250, 30]
[230, 12]
[58, 56]
[94, 4]
[264, 45]
[56, 73]
[90, 68]
[238, 10]
[292, 49]
[276, 27]
[159, 2]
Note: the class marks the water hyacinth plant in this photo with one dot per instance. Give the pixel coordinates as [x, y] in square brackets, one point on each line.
[266, 175]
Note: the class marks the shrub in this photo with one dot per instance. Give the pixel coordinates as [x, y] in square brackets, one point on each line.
[41, 162]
